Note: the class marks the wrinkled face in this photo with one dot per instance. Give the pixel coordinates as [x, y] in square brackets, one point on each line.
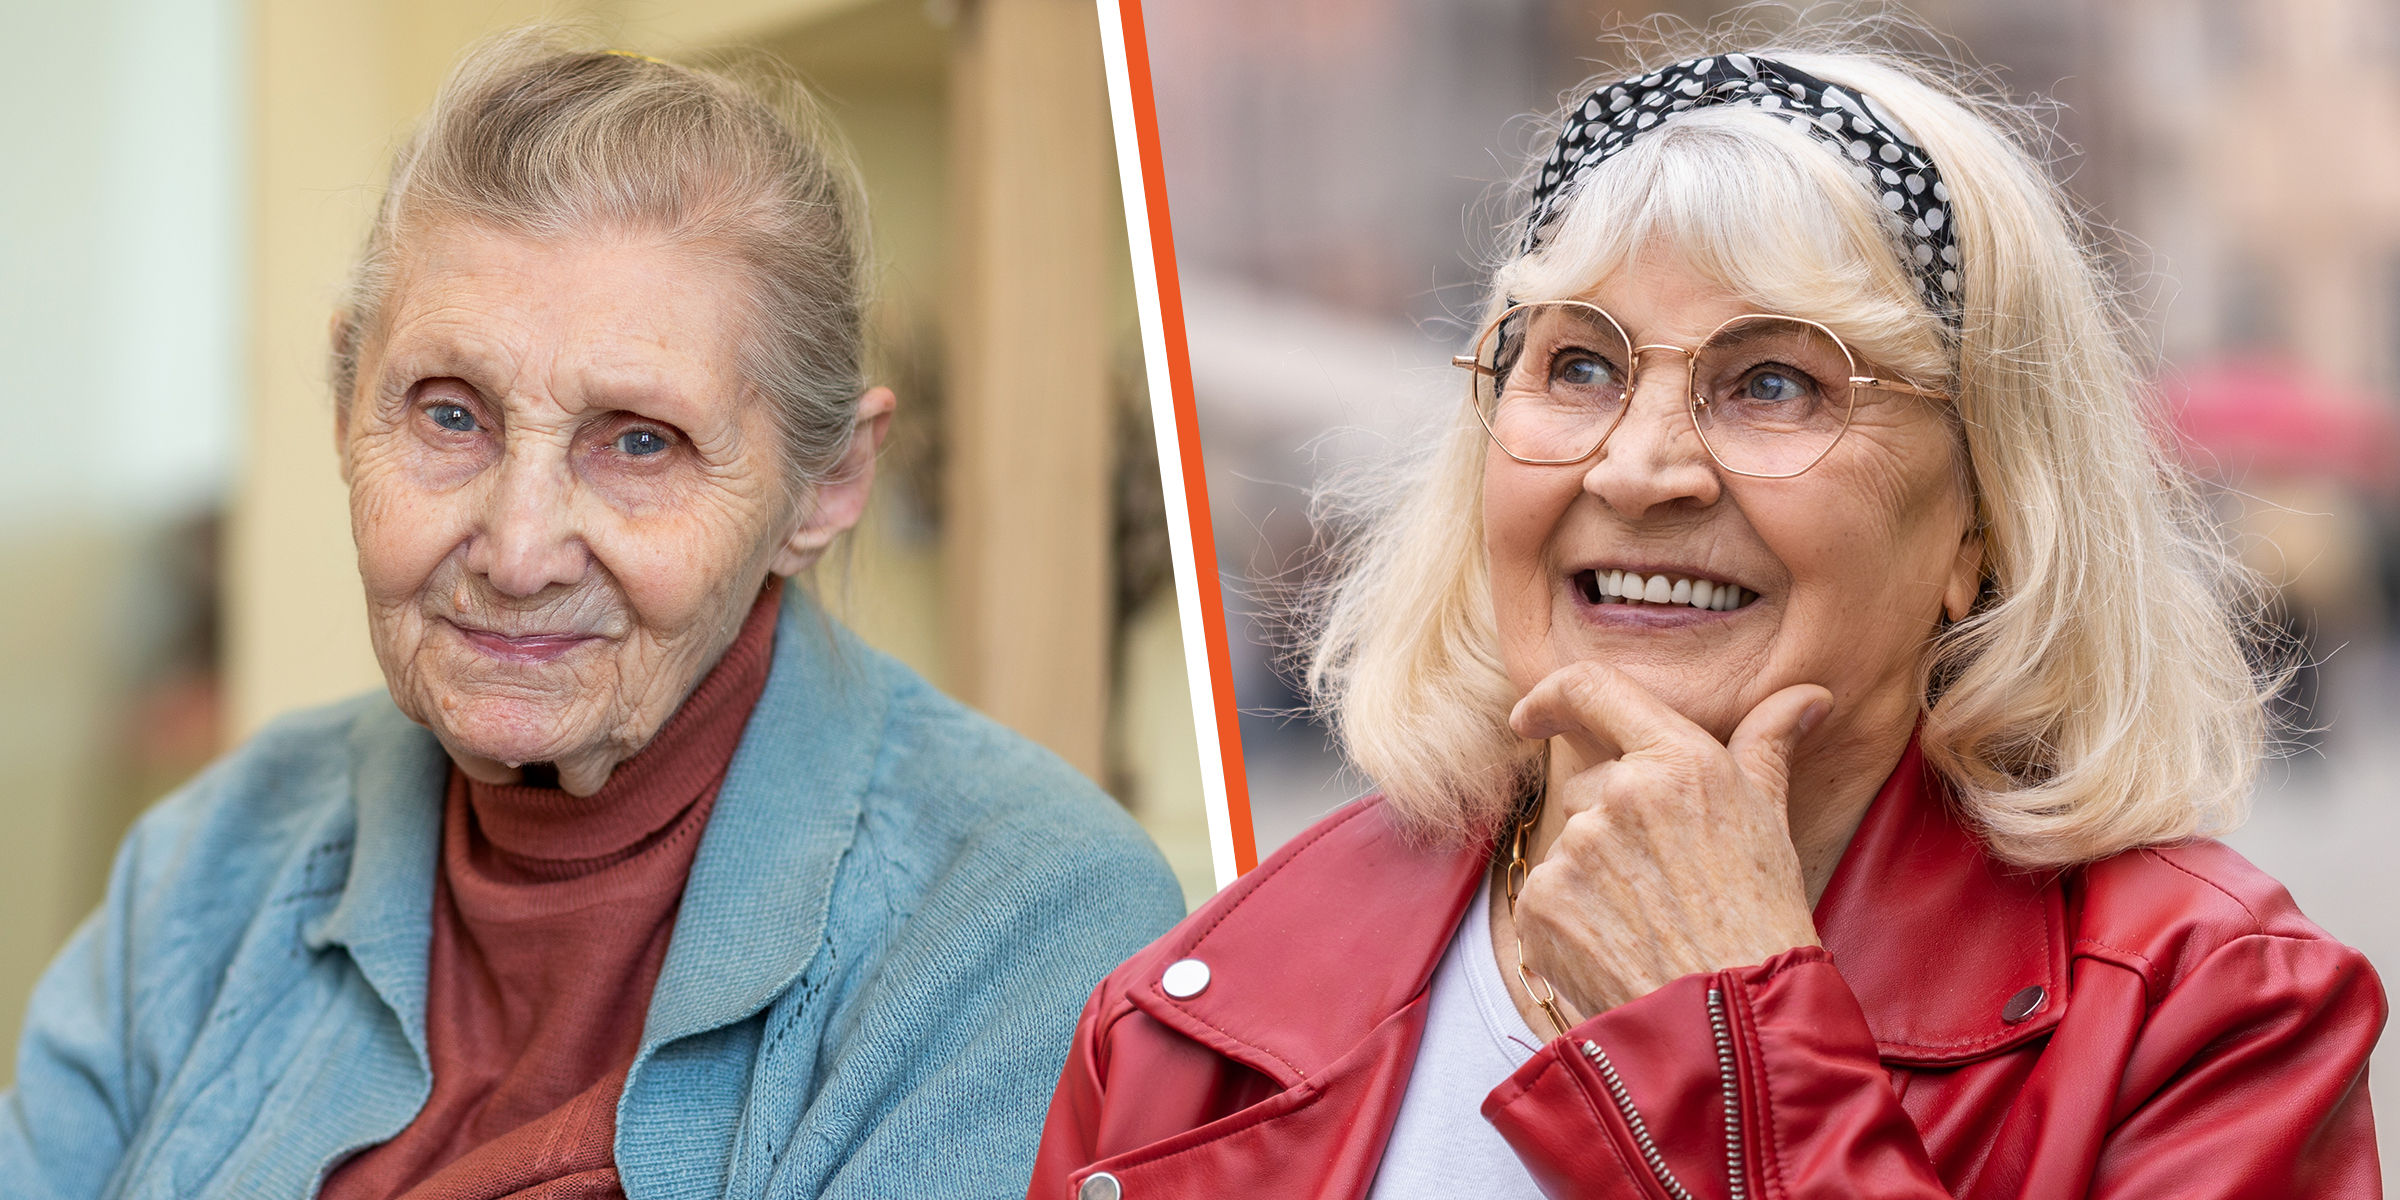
[1844, 570]
[564, 499]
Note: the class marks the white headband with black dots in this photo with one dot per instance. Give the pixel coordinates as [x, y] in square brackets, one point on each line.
[1877, 148]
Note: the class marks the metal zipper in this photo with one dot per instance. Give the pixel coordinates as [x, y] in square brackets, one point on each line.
[1735, 1187]
[1642, 1140]
[1633, 1120]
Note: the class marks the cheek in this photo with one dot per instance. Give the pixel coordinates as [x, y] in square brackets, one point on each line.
[1522, 514]
[1520, 518]
[672, 574]
[682, 537]
[404, 529]
[1913, 510]
[1868, 548]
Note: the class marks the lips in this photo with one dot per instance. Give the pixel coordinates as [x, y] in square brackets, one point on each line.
[1600, 585]
[524, 648]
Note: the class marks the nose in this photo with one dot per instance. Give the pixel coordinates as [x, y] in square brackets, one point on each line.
[530, 539]
[1655, 457]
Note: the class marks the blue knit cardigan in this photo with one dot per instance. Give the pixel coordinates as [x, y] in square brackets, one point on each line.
[896, 912]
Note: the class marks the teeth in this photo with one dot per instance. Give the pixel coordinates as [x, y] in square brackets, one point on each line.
[1627, 587]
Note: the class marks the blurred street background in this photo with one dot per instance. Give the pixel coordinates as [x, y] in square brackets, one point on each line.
[1337, 168]
[187, 181]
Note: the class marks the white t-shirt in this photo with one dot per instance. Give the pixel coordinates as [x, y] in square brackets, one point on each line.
[1441, 1147]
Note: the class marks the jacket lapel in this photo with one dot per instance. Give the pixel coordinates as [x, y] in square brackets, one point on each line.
[756, 907]
[761, 887]
[385, 915]
[1318, 964]
[1935, 936]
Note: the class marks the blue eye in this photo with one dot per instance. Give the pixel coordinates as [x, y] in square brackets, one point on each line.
[1774, 386]
[640, 442]
[453, 417]
[1582, 371]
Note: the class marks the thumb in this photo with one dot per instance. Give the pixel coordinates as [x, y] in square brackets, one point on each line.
[1762, 746]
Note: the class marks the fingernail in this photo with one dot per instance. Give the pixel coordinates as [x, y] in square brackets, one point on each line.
[1811, 716]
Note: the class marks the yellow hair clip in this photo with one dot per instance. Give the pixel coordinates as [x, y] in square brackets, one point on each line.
[643, 57]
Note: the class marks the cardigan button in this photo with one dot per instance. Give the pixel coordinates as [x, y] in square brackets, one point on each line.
[2024, 1004]
[1099, 1185]
[1185, 979]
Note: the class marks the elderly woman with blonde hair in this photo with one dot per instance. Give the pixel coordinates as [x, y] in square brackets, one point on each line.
[646, 878]
[1800, 695]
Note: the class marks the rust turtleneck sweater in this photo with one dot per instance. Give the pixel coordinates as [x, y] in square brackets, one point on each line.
[551, 915]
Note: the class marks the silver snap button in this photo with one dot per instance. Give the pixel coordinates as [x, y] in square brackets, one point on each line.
[1099, 1185]
[1184, 980]
[2024, 1004]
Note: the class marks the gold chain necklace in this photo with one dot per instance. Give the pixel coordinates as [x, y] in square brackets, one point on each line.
[1514, 882]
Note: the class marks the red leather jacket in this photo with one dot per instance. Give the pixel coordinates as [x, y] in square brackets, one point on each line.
[2161, 1023]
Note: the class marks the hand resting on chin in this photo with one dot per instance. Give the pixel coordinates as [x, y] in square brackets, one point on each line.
[1663, 852]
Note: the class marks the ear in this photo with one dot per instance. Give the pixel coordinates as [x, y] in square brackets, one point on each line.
[842, 499]
[1966, 576]
[340, 331]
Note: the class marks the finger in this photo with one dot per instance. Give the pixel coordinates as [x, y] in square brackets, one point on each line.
[1762, 745]
[1604, 704]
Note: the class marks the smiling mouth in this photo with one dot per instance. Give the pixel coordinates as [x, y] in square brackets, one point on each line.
[1633, 587]
[527, 648]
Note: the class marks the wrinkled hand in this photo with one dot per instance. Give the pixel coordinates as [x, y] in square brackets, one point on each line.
[1675, 856]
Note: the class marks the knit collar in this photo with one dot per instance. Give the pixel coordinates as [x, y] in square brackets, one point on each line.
[755, 907]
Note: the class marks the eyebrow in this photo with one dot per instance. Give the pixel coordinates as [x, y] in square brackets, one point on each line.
[1743, 337]
[476, 360]
[650, 390]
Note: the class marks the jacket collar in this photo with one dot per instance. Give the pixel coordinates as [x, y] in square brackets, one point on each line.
[1321, 943]
[1342, 929]
[755, 908]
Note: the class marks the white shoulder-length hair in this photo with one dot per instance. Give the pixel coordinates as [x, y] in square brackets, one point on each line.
[2098, 697]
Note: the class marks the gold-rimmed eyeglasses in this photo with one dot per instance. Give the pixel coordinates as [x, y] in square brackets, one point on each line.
[1768, 395]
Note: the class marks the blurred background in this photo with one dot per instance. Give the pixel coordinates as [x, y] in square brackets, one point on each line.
[1336, 171]
[187, 182]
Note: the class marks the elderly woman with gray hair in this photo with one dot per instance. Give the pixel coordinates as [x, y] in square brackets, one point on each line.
[1800, 693]
[645, 878]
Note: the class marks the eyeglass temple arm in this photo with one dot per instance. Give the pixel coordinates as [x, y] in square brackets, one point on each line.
[1892, 385]
[1466, 362]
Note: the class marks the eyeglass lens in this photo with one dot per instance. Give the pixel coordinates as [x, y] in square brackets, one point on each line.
[1770, 394]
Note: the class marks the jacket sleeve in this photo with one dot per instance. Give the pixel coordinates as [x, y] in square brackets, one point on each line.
[79, 1092]
[2246, 1081]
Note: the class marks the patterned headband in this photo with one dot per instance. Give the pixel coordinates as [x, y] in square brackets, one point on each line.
[1877, 147]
